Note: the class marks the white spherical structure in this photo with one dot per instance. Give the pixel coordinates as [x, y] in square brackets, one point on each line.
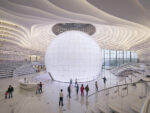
[73, 55]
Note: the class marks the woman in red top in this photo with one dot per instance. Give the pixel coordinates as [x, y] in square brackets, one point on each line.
[82, 90]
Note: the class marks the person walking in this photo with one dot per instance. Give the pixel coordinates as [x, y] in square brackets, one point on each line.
[10, 91]
[61, 95]
[77, 88]
[82, 90]
[87, 89]
[96, 86]
[69, 91]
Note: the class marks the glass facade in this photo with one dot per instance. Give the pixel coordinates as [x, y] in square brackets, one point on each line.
[112, 58]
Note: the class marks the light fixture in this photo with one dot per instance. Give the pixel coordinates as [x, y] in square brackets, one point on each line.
[73, 55]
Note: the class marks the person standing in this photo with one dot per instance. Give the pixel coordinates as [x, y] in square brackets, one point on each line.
[70, 81]
[10, 91]
[76, 82]
[87, 89]
[96, 86]
[77, 88]
[104, 80]
[25, 80]
[69, 91]
[82, 90]
[40, 87]
[6, 93]
[61, 95]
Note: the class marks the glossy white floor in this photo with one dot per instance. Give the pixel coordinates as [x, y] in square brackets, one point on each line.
[47, 102]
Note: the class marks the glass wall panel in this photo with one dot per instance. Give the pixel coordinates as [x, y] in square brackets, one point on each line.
[114, 58]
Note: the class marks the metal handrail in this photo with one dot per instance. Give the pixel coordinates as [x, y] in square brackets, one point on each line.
[140, 81]
[146, 105]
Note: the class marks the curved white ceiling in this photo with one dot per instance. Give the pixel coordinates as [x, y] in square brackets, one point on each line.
[120, 24]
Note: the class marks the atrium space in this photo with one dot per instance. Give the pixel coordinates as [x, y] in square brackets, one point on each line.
[74, 56]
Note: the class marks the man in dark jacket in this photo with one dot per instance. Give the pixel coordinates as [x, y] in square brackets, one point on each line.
[77, 88]
[69, 91]
[10, 91]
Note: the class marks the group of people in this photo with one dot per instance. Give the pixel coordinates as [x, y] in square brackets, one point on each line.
[82, 89]
[9, 92]
[86, 88]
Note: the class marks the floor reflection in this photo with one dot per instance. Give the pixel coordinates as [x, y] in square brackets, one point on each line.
[69, 104]
[82, 100]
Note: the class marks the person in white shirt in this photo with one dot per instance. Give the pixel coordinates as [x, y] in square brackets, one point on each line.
[61, 95]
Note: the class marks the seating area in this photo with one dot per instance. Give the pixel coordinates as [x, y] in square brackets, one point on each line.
[6, 71]
[127, 69]
[7, 67]
[24, 70]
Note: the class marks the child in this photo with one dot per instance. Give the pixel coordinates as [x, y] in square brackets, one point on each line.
[6, 93]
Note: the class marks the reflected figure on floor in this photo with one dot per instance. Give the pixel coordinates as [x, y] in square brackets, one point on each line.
[69, 105]
[10, 91]
[69, 91]
[82, 90]
[77, 88]
[82, 100]
[61, 95]
[87, 103]
[77, 97]
[87, 89]
[96, 86]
